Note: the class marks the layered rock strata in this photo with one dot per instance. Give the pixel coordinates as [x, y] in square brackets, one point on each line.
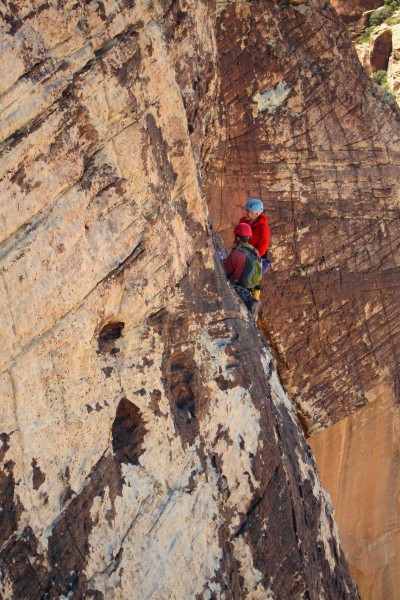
[308, 132]
[148, 449]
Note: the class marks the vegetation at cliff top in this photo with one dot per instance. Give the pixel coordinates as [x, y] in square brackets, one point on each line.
[384, 14]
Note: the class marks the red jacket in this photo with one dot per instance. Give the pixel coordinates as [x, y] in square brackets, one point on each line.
[234, 264]
[261, 233]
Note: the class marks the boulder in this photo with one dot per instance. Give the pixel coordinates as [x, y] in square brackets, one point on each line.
[380, 48]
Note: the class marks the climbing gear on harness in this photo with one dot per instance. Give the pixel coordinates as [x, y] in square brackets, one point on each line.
[252, 272]
[255, 294]
[255, 205]
[243, 229]
[266, 263]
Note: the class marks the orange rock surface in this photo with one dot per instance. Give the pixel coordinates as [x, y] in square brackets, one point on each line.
[359, 463]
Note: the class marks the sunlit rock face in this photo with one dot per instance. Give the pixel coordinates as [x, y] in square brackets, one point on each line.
[382, 51]
[148, 449]
[308, 132]
[358, 459]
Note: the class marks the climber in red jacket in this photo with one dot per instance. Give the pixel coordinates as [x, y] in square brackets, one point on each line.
[236, 260]
[259, 227]
[235, 264]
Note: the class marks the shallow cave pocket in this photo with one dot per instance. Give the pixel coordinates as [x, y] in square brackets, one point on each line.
[108, 335]
[128, 433]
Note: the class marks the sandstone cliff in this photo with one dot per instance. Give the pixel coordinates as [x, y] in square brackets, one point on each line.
[309, 132]
[148, 449]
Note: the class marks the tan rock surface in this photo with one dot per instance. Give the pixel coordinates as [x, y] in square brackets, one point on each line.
[359, 463]
[394, 63]
[148, 449]
[324, 157]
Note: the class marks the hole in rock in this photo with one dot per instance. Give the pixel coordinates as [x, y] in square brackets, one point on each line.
[128, 432]
[108, 335]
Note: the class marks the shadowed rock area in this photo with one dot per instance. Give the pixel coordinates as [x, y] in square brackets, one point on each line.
[148, 447]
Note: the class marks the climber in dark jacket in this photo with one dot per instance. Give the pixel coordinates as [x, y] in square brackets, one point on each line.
[260, 231]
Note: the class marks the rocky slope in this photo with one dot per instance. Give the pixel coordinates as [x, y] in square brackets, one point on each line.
[309, 132]
[148, 449]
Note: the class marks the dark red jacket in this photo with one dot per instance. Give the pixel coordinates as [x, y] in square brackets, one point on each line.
[234, 264]
[261, 233]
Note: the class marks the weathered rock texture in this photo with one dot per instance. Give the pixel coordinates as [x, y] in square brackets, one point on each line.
[381, 49]
[324, 156]
[309, 133]
[355, 13]
[393, 72]
[148, 449]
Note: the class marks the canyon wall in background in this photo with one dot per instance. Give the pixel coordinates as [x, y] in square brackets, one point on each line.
[307, 130]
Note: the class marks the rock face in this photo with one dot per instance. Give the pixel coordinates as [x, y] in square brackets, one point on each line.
[308, 132]
[382, 51]
[358, 459]
[381, 48]
[393, 72]
[148, 449]
[355, 12]
[299, 137]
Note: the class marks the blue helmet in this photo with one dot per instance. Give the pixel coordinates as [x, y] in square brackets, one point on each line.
[255, 204]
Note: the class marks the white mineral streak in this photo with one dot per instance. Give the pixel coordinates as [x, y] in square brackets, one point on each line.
[271, 100]
[251, 576]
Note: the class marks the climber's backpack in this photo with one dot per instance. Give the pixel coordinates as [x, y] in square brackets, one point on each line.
[252, 272]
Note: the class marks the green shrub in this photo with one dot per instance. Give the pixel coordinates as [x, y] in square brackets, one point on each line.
[380, 15]
[393, 3]
[395, 20]
[380, 77]
[365, 35]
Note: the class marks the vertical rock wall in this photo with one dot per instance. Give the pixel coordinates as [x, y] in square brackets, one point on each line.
[148, 449]
[308, 132]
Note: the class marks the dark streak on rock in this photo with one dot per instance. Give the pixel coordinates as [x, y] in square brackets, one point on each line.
[107, 371]
[68, 546]
[154, 404]
[160, 151]
[9, 502]
[37, 476]
[128, 433]
[109, 333]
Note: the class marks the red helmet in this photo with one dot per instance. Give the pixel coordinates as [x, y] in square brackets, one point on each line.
[243, 229]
